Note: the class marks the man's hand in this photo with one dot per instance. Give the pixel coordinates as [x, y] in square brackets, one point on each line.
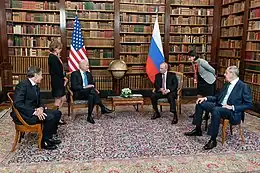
[39, 113]
[200, 100]
[227, 107]
[89, 86]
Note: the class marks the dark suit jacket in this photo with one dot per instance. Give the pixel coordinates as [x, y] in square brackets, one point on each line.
[25, 101]
[171, 82]
[240, 98]
[77, 81]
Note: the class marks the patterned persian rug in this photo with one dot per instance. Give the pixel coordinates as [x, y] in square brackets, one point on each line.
[128, 141]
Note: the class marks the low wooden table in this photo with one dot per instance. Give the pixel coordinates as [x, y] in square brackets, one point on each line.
[134, 100]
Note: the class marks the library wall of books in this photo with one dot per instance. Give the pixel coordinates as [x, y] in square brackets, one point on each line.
[224, 33]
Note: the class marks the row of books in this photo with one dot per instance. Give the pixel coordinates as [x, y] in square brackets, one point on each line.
[252, 77]
[144, 1]
[33, 29]
[142, 18]
[137, 28]
[228, 1]
[253, 66]
[134, 58]
[29, 41]
[192, 20]
[136, 82]
[192, 11]
[28, 52]
[136, 69]
[230, 43]
[228, 62]
[253, 35]
[136, 38]
[254, 25]
[230, 53]
[256, 92]
[182, 68]
[90, 15]
[231, 20]
[252, 46]
[191, 39]
[88, 34]
[192, 2]
[92, 25]
[254, 3]
[187, 48]
[99, 53]
[21, 64]
[141, 8]
[189, 82]
[37, 17]
[88, 5]
[179, 57]
[99, 62]
[103, 82]
[33, 5]
[96, 42]
[231, 31]
[233, 8]
[191, 30]
[255, 12]
[255, 56]
[134, 48]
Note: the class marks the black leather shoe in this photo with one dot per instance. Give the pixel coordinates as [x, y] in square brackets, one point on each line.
[175, 119]
[54, 141]
[106, 111]
[211, 144]
[155, 115]
[90, 120]
[48, 146]
[193, 133]
[62, 122]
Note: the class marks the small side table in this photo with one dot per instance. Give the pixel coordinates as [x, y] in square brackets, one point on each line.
[135, 100]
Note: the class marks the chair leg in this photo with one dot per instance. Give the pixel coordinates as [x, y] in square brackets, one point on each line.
[241, 134]
[224, 134]
[69, 109]
[40, 138]
[98, 116]
[17, 135]
[231, 129]
[161, 108]
[21, 136]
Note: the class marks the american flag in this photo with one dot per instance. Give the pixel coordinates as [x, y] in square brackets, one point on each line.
[77, 48]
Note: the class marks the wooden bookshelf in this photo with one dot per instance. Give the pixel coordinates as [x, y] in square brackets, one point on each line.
[231, 34]
[136, 26]
[252, 53]
[190, 29]
[31, 25]
[97, 24]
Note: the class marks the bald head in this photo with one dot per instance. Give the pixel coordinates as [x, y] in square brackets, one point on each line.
[163, 67]
[84, 65]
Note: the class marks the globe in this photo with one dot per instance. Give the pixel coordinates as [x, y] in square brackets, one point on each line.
[117, 68]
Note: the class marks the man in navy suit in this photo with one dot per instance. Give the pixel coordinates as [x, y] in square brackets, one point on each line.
[230, 103]
[83, 87]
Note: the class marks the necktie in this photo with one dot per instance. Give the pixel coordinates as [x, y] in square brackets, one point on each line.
[225, 91]
[37, 93]
[85, 79]
[163, 81]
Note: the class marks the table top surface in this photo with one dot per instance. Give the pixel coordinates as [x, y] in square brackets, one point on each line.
[132, 97]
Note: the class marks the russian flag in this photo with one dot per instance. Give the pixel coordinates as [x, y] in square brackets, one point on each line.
[155, 55]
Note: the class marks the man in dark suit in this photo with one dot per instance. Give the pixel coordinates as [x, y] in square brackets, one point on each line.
[28, 103]
[166, 84]
[230, 103]
[83, 87]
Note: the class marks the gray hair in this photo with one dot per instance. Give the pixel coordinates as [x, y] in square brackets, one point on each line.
[32, 70]
[233, 69]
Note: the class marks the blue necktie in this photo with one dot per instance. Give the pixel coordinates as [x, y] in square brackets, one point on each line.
[85, 79]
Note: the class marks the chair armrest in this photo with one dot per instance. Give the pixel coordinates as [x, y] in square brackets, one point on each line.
[153, 90]
[70, 94]
[179, 93]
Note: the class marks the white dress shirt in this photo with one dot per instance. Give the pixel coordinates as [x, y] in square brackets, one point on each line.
[165, 77]
[230, 88]
[32, 82]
